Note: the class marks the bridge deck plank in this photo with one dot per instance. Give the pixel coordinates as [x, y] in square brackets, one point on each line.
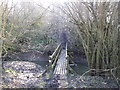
[61, 66]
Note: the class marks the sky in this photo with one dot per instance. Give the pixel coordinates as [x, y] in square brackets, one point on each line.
[44, 2]
[48, 2]
[54, 1]
[60, 1]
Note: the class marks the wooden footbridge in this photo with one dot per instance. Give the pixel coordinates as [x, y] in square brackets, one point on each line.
[61, 65]
[59, 60]
[58, 64]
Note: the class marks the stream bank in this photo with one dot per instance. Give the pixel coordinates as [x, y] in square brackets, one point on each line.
[23, 71]
[24, 74]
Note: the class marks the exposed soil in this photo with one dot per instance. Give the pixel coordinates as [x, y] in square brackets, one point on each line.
[24, 74]
[21, 74]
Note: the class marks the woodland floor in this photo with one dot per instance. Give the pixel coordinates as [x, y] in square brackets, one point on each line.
[24, 74]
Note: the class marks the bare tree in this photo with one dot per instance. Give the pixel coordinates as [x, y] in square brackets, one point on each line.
[97, 27]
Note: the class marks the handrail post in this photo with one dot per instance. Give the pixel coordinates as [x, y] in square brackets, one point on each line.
[54, 53]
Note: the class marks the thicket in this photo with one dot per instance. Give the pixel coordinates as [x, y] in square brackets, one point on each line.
[97, 26]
